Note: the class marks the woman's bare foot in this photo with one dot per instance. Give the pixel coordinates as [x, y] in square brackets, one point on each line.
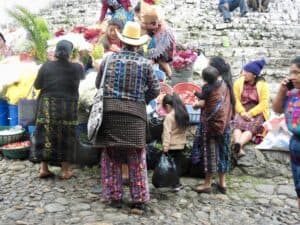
[66, 175]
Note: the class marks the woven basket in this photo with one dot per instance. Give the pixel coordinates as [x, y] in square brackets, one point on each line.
[6, 139]
[16, 153]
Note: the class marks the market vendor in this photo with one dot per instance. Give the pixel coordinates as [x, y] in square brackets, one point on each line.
[120, 9]
[110, 40]
[162, 45]
[4, 50]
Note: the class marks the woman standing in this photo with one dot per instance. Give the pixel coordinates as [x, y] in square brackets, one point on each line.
[287, 101]
[129, 84]
[252, 105]
[215, 158]
[56, 121]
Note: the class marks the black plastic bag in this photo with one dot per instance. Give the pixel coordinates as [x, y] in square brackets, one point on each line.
[152, 155]
[154, 129]
[165, 173]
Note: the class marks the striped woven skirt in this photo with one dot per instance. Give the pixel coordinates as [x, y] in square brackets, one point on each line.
[55, 137]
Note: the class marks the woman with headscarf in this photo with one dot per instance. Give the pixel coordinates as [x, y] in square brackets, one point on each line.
[212, 151]
[55, 139]
[252, 105]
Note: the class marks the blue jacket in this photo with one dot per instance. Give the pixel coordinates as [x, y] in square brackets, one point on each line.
[221, 2]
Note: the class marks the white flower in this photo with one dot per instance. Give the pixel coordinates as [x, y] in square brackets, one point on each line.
[87, 90]
[77, 40]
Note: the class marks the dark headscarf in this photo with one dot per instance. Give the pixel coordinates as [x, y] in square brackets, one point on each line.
[63, 49]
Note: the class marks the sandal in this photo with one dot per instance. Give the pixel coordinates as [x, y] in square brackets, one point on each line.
[44, 175]
[206, 190]
[221, 189]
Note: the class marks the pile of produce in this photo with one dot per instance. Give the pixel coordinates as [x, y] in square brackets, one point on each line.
[16, 145]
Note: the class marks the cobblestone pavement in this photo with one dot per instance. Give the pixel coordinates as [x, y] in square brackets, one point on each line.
[25, 199]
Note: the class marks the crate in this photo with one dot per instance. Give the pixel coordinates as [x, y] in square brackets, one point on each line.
[194, 114]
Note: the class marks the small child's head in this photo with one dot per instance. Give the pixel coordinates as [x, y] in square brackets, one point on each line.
[171, 102]
[210, 74]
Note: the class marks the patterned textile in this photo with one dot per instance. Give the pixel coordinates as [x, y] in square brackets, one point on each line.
[162, 45]
[249, 100]
[55, 137]
[295, 161]
[111, 174]
[129, 77]
[123, 15]
[114, 6]
[292, 111]
[122, 130]
[213, 153]
[224, 153]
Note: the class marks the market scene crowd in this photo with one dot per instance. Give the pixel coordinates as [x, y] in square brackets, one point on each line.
[124, 78]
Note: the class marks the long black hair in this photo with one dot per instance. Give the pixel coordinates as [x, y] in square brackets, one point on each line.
[181, 114]
[225, 71]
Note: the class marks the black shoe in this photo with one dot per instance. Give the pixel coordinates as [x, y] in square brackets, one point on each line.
[139, 208]
[221, 189]
[244, 14]
[177, 187]
[236, 148]
[117, 204]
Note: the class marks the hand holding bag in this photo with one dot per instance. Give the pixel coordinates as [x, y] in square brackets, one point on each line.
[96, 114]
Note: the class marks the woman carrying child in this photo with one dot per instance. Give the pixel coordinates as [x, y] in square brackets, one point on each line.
[213, 134]
[174, 130]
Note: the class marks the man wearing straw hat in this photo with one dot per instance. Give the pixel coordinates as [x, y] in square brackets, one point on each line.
[129, 83]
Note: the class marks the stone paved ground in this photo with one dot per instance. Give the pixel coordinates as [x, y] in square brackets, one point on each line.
[26, 199]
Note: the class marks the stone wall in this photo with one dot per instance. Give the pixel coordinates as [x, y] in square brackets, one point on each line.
[274, 35]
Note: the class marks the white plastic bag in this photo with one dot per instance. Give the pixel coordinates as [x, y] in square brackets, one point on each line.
[200, 63]
[278, 137]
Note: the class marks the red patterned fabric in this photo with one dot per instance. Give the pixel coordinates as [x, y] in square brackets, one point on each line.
[249, 99]
[111, 174]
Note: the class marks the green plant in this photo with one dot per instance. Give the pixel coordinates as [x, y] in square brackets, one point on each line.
[36, 27]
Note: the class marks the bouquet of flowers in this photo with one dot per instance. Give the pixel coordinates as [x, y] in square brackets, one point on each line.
[184, 58]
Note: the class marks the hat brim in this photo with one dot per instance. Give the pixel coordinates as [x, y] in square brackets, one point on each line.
[130, 41]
